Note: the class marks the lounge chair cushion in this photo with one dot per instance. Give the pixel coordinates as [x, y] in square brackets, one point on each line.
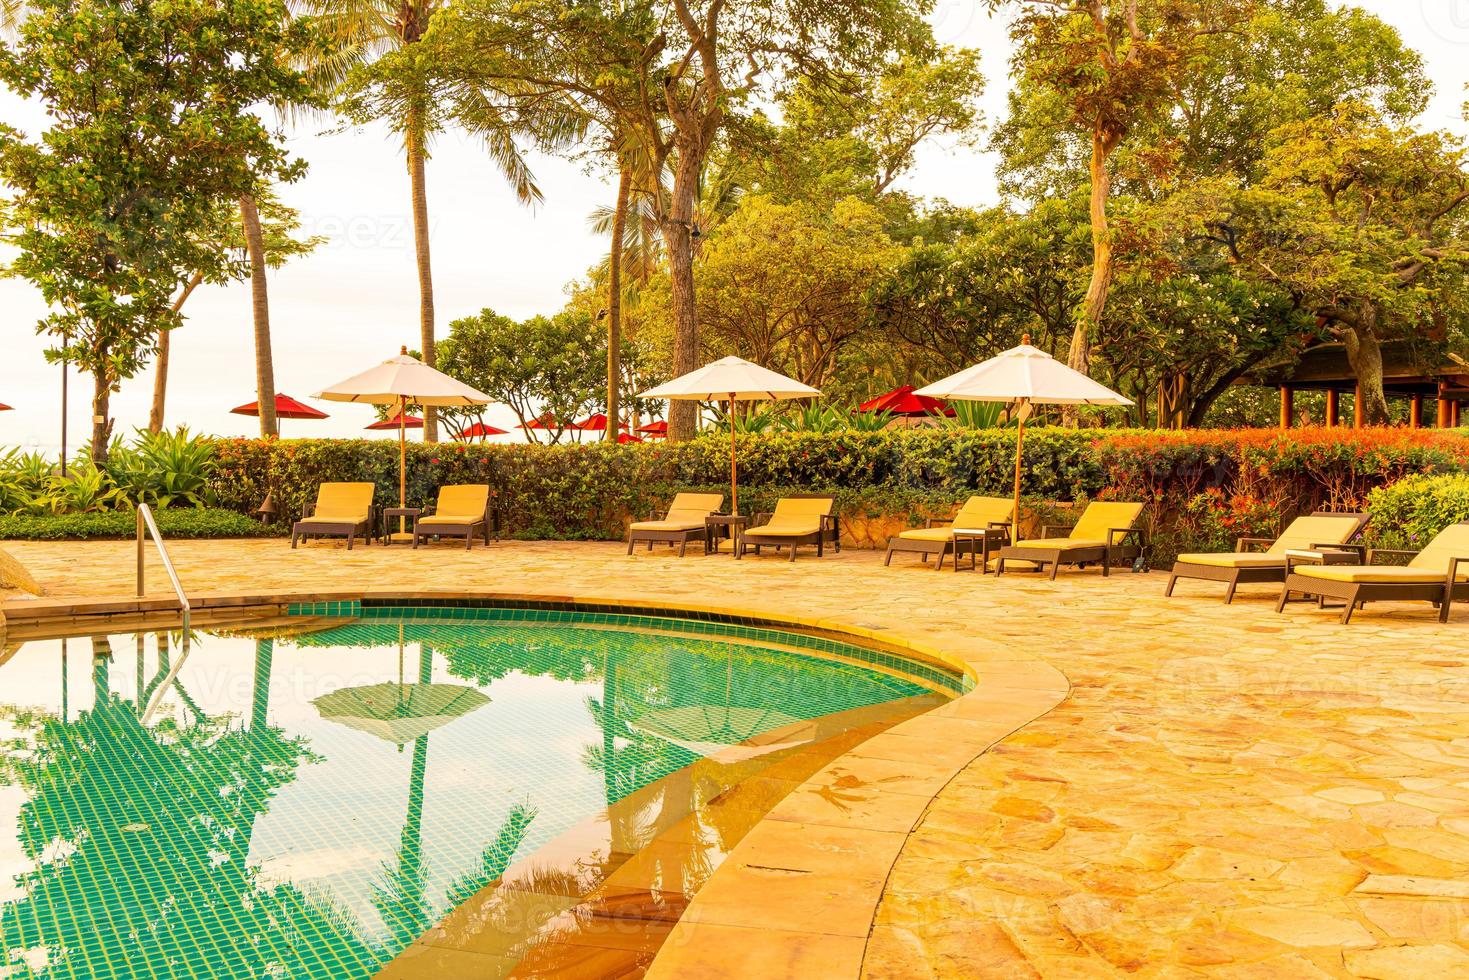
[795, 517]
[668, 525]
[1378, 574]
[1307, 532]
[1234, 559]
[445, 520]
[1450, 543]
[460, 504]
[1100, 518]
[977, 514]
[342, 503]
[1062, 544]
[928, 534]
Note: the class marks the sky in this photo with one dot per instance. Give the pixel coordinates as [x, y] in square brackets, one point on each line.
[355, 301]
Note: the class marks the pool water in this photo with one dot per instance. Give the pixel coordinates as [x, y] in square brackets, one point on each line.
[307, 800]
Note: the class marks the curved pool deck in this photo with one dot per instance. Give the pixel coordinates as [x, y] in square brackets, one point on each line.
[1134, 785]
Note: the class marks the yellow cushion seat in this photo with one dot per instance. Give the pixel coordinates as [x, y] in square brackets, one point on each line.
[451, 519]
[928, 534]
[1234, 559]
[1379, 574]
[795, 517]
[342, 503]
[1061, 544]
[668, 525]
[791, 530]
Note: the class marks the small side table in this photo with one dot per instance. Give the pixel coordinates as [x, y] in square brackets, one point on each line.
[730, 526]
[1346, 555]
[981, 541]
[410, 514]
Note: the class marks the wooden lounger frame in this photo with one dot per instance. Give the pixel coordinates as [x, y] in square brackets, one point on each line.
[1124, 544]
[1235, 577]
[1357, 594]
[830, 530]
[996, 535]
[487, 525]
[342, 529]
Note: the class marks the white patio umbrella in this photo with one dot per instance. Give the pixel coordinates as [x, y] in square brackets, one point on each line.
[1023, 376]
[732, 379]
[398, 381]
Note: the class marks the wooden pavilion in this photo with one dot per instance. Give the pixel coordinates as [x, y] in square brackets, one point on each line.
[1325, 368]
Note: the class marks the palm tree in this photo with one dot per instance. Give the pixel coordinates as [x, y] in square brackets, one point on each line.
[377, 72]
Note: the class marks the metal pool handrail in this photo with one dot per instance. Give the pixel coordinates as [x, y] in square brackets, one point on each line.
[146, 523]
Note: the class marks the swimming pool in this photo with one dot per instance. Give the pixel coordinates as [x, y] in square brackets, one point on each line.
[337, 792]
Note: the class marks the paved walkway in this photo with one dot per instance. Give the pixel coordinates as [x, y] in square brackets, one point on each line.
[1224, 792]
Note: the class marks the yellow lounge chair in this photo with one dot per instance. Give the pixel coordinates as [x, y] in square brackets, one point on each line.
[805, 518]
[1321, 530]
[1106, 533]
[986, 518]
[342, 510]
[684, 522]
[461, 510]
[1438, 574]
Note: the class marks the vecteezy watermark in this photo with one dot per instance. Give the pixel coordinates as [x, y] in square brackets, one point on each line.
[1448, 19]
[364, 231]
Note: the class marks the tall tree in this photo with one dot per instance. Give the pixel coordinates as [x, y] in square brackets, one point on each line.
[279, 243]
[152, 127]
[1098, 70]
[381, 71]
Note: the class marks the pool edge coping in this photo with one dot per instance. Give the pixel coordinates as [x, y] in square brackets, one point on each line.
[715, 934]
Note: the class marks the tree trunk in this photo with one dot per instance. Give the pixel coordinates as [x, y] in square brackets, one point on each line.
[678, 240]
[425, 271]
[1364, 353]
[101, 421]
[160, 373]
[614, 301]
[1079, 357]
[260, 309]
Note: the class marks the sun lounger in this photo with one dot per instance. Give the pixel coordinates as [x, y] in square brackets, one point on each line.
[981, 525]
[798, 519]
[684, 522]
[461, 510]
[1438, 574]
[341, 510]
[1246, 564]
[1105, 534]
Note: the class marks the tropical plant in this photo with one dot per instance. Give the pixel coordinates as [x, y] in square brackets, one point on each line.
[976, 415]
[85, 488]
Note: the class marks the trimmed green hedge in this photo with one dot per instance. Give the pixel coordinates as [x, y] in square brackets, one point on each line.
[173, 523]
[1410, 512]
[1201, 487]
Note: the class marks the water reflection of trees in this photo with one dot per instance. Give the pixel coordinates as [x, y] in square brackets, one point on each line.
[139, 838]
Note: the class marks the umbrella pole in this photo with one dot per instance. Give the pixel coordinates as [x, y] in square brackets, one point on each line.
[1019, 447]
[734, 480]
[402, 463]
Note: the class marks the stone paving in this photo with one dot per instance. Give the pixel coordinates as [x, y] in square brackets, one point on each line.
[1222, 791]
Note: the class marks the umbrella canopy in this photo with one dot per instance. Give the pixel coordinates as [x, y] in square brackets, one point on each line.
[732, 379]
[5, 408]
[728, 732]
[398, 381]
[595, 423]
[399, 421]
[399, 713]
[1023, 375]
[548, 422]
[481, 431]
[903, 401]
[624, 437]
[657, 430]
[286, 407]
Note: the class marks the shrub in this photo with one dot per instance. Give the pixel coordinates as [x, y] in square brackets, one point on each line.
[172, 522]
[1203, 488]
[1409, 513]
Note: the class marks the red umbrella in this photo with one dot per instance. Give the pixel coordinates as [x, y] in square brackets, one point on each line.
[481, 431]
[597, 423]
[397, 421]
[5, 408]
[655, 430]
[624, 437]
[286, 407]
[902, 401]
[548, 422]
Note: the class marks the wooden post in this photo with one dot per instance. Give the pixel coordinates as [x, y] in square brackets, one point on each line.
[1333, 408]
[1445, 409]
[1415, 413]
[1359, 408]
[1287, 407]
[1455, 416]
